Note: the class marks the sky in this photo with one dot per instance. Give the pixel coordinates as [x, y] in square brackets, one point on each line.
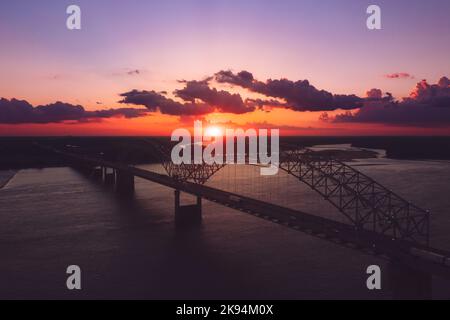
[149, 67]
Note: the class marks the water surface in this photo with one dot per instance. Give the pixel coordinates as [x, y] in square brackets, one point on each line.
[55, 217]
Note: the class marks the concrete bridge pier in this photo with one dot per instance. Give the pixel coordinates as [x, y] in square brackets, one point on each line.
[109, 177]
[124, 183]
[97, 172]
[408, 283]
[187, 215]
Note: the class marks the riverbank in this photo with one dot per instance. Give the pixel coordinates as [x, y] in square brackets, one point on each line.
[5, 177]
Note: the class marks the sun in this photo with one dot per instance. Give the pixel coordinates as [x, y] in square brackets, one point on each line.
[213, 131]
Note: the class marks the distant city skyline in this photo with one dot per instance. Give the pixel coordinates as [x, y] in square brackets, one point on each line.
[148, 67]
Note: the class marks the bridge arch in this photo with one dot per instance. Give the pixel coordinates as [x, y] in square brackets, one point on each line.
[366, 203]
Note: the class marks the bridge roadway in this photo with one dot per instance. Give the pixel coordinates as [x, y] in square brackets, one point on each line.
[423, 259]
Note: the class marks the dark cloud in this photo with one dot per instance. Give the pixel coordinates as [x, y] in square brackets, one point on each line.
[427, 106]
[399, 75]
[134, 72]
[128, 72]
[266, 104]
[374, 94]
[398, 114]
[198, 99]
[155, 101]
[222, 101]
[436, 95]
[243, 79]
[20, 111]
[298, 95]
[127, 113]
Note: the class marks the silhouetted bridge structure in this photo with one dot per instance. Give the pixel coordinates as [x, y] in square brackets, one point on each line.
[380, 222]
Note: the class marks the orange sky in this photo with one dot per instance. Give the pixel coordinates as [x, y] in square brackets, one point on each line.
[329, 45]
[161, 125]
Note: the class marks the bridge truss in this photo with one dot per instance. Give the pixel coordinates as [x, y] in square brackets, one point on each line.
[367, 204]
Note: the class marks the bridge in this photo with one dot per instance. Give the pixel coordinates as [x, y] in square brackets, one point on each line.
[378, 221]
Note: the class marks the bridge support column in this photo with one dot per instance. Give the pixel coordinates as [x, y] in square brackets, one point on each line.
[97, 172]
[408, 283]
[187, 215]
[124, 183]
[108, 177]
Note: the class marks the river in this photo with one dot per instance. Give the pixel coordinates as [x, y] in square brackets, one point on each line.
[55, 217]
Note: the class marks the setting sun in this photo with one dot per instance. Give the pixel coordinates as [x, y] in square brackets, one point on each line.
[214, 131]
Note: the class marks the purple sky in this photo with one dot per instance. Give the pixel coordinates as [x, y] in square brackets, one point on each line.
[326, 42]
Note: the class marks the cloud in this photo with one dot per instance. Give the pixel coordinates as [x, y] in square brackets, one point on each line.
[243, 79]
[127, 113]
[20, 111]
[427, 106]
[128, 72]
[198, 99]
[436, 95]
[155, 101]
[374, 94]
[223, 101]
[265, 104]
[298, 95]
[399, 75]
[134, 72]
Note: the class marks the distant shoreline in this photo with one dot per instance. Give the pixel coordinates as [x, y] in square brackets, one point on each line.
[25, 153]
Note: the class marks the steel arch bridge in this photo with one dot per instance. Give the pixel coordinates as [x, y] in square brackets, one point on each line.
[366, 204]
[381, 222]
